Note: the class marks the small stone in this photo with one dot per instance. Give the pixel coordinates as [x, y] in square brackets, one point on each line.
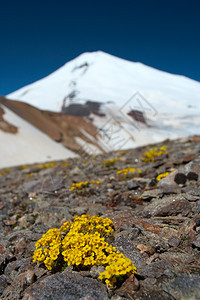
[197, 223]
[132, 185]
[142, 248]
[174, 241]
[96, 270]
[180, 178]
[196, 243]
[192, 176]
[149, 194]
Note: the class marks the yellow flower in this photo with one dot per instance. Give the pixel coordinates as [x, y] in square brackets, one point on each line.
[82, 243]
[163, 175]
[151, 154]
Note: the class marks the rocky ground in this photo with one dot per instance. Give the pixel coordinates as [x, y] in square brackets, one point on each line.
[157, 223]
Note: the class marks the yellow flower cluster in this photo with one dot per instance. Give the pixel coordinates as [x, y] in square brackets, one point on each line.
[82, 184]
[29, 175]
[118, 265]
[111, 162]
[46, 166]
[64, 165]
[82, 244]
[4, 171]
[151, 154]
[163, 175]
[128, 170]
[23, 167]
[48, 247]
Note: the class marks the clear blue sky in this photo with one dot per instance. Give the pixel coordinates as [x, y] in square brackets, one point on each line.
[37, 37]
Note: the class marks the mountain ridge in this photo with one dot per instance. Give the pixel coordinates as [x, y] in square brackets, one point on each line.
[107, 78]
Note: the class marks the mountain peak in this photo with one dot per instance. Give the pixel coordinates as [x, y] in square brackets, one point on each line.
[103, 77]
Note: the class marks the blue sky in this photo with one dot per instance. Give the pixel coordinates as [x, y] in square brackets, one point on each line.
[37, 37]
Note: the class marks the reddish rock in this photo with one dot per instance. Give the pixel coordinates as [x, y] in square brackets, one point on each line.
[190, 227]
[128, 287]
[2, 249]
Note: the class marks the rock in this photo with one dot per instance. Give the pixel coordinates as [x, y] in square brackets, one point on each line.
[76, 171]
[174, 241]
[193, 166]
[169, 180]
[16, 267]
[48, 184]
[168, 207]
[192, 176]
[180, 178]
[149, 282]
[197, 223]
[19, 284]
[143, 248]
[132, 185]
[66, 286]
[156, 223]
[156, 269]
[128, 287]
[196, 243]
[184, 287]
[149, 194]
[3, 283]
[196, 208]
[190, 197]
[95, 270]
[129, 250]
[194, 191]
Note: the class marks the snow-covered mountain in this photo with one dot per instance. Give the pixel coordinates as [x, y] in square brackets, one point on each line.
[99, 76]
[128, 102]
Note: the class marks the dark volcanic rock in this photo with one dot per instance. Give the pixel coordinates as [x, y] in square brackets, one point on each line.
[3, 283]
[192, 176]
[66, 286]
[184, 287]
[180, 178]
[156, 269]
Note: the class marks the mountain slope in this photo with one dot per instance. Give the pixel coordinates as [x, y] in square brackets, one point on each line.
[26, 144]
[103, 77]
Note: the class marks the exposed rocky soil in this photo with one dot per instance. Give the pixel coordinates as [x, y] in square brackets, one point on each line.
[59, 127]
[6, 126]
[157, 224]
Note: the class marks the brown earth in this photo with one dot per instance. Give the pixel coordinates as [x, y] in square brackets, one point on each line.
[61, 128]
[4, 125]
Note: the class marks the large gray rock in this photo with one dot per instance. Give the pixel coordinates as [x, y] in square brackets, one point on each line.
[66, 286]
[184, 287]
